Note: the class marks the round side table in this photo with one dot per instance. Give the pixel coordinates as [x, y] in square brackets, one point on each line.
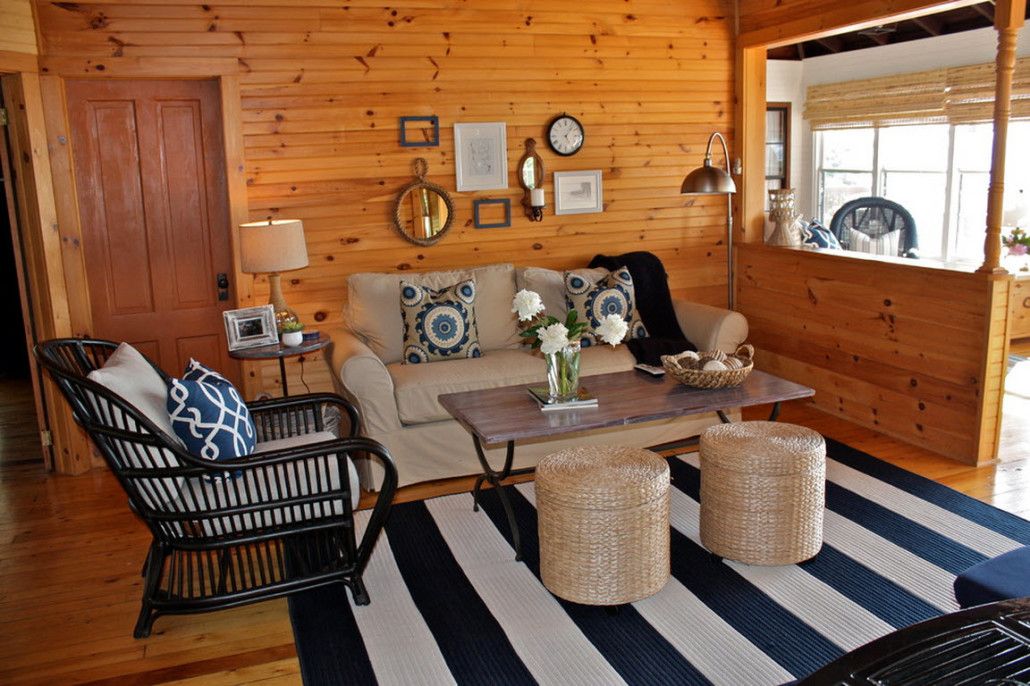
[281, 352]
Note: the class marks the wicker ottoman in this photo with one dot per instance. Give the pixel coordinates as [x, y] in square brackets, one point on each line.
[763, 488]
[603, 517]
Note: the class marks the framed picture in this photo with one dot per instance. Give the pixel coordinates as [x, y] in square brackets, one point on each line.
[250, 327]
[577, 192]
[480, 213]
[420, 132]
[481, 156]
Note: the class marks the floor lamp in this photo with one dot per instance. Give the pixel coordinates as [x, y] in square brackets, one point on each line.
[709, 180]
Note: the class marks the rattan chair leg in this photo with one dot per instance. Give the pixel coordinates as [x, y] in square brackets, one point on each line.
[358, 591]
[145, 621]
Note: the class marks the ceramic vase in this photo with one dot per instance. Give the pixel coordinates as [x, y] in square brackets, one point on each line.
[784, 216]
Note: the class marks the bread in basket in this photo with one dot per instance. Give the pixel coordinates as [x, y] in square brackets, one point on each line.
[688, 367]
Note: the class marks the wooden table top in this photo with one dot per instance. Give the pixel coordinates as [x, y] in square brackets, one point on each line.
[498, 415]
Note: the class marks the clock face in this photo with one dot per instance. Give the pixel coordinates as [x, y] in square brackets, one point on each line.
[565, 135]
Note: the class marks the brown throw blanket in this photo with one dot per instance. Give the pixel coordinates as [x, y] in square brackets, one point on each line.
[654, 302]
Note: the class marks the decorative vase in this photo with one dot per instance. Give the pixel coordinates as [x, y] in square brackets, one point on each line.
[784, 215]
[563, 374]
[292, 339]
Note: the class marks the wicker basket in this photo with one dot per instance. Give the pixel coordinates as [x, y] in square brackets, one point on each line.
[603, 515]
[687, 368]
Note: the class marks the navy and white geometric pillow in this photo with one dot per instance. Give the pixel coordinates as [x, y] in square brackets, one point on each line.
[439, 324]
[611, 294]
[817, 235]
[210, 417]
[197, 371]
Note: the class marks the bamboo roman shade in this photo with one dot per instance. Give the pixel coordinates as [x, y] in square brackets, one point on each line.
[959, 95]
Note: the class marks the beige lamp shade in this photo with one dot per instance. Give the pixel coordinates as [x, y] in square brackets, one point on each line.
[272, 246]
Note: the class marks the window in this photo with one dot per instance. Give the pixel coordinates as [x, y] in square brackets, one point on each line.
[938, 172]
[777, 146]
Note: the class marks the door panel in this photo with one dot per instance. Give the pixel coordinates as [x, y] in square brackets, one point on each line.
[150, 178]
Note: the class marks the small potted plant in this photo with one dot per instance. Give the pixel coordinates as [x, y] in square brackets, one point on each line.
[293, 334]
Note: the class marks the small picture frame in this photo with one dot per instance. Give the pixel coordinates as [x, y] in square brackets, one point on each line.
[420, 132]
[481, 156]
[578, 192]
[250, 327]
[480, 204]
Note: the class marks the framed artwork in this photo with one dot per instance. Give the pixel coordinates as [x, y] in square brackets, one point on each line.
[250, 327]
[479, 209]
[481, 156]
[420, 132]
[578, 192]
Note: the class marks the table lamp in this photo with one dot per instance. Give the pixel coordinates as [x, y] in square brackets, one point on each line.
[270, 247]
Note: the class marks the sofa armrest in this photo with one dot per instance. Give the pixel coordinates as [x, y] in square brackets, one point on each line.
[711, 328]
[360, 376]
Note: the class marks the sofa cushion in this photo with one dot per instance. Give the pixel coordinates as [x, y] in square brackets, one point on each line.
[439, 324]
[594, 300]
[416, 386]
[550, 286]
[374, 316]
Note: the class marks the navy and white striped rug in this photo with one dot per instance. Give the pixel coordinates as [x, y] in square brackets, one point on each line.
[451, 605]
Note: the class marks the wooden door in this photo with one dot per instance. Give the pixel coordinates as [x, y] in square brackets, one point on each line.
[150, 179]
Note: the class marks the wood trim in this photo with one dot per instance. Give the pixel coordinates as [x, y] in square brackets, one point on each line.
[751, 85]
[139, 67]
[995, 366]
[18, 62]
[800, 24]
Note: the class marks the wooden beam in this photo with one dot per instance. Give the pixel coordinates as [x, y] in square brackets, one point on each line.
[750, 144]
[931, 25]
[832, 43]
[1008, 19]
[986, 10]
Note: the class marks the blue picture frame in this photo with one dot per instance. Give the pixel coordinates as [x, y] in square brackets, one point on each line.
[482, 202]
[434, 121]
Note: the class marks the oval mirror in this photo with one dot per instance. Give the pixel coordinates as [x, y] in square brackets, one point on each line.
[423, 211]
[531, 167]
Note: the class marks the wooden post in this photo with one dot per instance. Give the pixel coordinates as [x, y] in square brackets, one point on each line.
[1008, 18]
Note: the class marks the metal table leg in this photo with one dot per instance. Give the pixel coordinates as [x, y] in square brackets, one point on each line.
[282, 376]
[495, 479]
[772, 415]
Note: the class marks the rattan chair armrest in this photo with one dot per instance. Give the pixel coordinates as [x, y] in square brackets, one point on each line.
[283, 406]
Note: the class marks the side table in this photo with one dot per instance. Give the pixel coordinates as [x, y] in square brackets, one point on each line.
[281, 352]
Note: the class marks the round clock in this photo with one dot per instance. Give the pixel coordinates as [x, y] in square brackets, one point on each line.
[565, 135]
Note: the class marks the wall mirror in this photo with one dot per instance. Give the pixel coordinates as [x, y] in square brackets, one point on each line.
[531, 177]
[423, 211]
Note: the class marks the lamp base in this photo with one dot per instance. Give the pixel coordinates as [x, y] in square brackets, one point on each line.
[283, 313]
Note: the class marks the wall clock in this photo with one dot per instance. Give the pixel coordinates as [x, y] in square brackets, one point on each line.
[565, 135]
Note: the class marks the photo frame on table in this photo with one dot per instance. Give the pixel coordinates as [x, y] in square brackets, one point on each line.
[481, 156]
[578, 192]
[250, 327]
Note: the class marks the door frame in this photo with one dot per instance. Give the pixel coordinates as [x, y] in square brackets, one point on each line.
[55, 114]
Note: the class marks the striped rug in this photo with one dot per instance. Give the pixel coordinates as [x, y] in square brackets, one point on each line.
[451, 605]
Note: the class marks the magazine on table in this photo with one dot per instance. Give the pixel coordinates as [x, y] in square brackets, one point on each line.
[583, 399]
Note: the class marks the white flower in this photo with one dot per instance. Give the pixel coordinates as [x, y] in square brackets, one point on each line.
[612, 330]
[528, 304]
[553, 338]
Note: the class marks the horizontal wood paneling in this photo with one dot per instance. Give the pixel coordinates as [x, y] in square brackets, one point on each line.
[17, 28]
[900, 348]
[322, 84]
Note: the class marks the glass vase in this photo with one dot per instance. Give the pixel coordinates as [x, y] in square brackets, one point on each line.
[563, 374]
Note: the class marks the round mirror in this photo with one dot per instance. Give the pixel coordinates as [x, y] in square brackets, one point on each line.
[422, 212]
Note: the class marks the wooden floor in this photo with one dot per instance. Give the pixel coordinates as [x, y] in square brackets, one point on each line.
[70, 555]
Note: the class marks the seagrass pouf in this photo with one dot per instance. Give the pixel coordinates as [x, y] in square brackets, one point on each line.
[603, 516]
[763, 492]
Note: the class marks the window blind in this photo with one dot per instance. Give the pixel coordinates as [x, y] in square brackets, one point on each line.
[959, 95]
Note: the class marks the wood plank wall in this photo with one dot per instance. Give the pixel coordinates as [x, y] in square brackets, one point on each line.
[18, 32]
[894, 347]
[323, 82]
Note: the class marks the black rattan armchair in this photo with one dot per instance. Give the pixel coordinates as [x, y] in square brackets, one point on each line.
[877, 226]
[232, 532]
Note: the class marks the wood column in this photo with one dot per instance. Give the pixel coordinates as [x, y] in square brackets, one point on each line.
[1008, 18]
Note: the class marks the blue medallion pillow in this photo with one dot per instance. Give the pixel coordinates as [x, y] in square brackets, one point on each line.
[817, 235]
[595, 300]
[209, 415]
[439, 324]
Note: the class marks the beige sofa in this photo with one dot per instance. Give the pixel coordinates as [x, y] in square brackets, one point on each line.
[399, 402]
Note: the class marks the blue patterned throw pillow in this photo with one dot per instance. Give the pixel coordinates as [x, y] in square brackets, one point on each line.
[593, 301]
[817, 235]
[209, 416]
[439, 324]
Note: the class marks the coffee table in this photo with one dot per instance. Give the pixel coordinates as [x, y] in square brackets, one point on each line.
[509, 414]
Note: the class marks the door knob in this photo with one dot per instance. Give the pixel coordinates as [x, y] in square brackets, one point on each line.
[222, 282]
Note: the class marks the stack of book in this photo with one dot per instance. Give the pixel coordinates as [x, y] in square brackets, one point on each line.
[583, 399]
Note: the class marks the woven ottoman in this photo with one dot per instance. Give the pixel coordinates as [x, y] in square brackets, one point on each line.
[603, 516]
[763, 492]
